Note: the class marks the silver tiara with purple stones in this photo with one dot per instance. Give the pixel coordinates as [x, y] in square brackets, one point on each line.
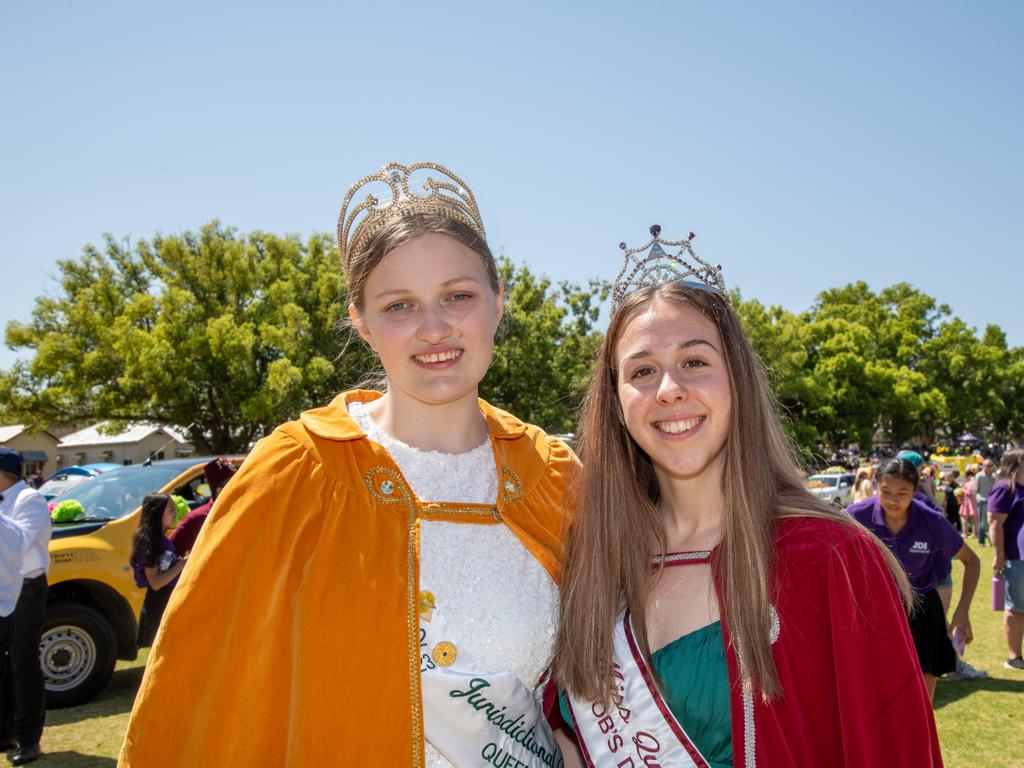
[651, 264]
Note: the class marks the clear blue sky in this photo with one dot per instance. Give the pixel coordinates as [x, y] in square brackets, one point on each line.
[807, 144]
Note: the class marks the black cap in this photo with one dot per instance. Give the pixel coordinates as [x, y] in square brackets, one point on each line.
[10, 461]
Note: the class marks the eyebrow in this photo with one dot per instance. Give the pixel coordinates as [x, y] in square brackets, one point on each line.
[679, 348]
[445, 284]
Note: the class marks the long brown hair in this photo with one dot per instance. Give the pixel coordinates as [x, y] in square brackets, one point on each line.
[617, 527]
[1010, 465]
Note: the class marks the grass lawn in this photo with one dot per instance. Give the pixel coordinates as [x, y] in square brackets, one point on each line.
[981, 723]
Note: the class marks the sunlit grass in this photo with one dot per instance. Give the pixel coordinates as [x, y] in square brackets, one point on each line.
[981, 722]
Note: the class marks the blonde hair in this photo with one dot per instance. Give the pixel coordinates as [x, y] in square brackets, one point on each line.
[617, 528]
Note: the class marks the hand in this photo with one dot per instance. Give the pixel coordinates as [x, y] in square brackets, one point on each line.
[962, 621]
[998, 564]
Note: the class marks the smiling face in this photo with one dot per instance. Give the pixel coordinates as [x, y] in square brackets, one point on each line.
[430, 314]
[674, 390]
[895, 494]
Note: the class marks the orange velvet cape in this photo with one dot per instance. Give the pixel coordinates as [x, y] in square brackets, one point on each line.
[292, 637]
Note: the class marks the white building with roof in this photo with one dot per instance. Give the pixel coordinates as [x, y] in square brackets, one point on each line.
[133, 445]
[38, 449]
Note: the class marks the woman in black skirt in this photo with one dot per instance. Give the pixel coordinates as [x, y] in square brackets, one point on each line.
[919, 537]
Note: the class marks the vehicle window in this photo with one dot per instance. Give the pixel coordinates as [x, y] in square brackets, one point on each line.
[114, 494]
[196, 492]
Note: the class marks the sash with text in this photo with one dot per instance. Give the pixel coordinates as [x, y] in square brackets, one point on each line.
[639, 730]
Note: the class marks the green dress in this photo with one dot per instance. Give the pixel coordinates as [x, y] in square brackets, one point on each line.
[695, 675]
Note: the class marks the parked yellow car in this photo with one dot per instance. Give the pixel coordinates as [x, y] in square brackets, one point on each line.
[93, 607]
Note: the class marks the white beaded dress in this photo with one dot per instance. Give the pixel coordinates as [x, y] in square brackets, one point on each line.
[496, 596]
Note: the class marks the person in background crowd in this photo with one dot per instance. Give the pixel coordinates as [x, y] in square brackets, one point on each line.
[185, 533]
[918, 536]
[759, 609]
[1006, 512]
[927, 486]
[982, 486]
[24, 562]
[926, 495]
[154, 562]
[969, 504]
[950, 500]
[863, 486]
[385, 563]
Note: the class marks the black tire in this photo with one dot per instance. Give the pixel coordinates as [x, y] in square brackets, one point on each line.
[77, 651]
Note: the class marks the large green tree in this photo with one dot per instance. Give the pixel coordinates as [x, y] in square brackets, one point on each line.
[231, 333]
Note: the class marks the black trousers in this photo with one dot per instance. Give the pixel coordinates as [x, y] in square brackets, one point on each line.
[22, 690]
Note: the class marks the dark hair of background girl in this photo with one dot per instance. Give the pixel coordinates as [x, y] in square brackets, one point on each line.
[900, 468]
[147, 543]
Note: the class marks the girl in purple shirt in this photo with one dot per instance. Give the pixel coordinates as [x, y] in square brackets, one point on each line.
[921, 538]
[1006, 511]
[154, 561]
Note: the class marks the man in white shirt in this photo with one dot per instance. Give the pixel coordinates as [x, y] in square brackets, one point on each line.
[24, 562]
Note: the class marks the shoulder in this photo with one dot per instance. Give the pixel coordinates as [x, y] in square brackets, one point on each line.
[804, 542]
[30, 502]
[320, 444]
[861, 511]
[823, 565]
[531, 453]
[1000, 499]
[799, 532]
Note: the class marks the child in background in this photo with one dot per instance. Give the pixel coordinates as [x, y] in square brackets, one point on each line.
[154, 561]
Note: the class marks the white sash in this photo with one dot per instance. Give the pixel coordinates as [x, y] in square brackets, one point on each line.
[639, 731]
[477, 719]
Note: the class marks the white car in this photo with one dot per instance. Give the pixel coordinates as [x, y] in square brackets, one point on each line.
[836, 487]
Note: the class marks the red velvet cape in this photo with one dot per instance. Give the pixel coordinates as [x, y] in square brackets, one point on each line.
[852, 689]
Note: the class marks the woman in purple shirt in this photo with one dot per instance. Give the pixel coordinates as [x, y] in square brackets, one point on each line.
[1006, 511]
[920, 538]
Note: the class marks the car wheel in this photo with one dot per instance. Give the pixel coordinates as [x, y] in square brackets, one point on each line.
[77, 651]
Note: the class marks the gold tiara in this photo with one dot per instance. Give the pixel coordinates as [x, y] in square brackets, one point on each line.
[651, 265]
[411, 189]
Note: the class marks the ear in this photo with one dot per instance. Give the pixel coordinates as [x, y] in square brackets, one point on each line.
[500, 298]
[360, 325]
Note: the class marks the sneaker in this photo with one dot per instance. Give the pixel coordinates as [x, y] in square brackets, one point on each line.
[966, 672]
[1017, 663]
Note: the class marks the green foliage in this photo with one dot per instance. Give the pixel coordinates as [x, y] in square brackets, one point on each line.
[858, 362]
[237, 333]
[546, 348]
[231, 333]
